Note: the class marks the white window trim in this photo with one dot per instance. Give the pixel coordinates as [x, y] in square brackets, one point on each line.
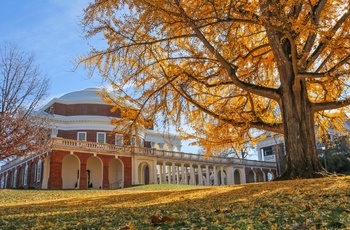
[14, 179]
[104, 137]
[6, 180]
[120, 137]
[39, 169]
[2, 181]
[35, 171]
[81, 133]
[133, 141]
[25, 176]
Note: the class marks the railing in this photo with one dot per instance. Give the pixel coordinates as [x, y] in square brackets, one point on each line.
[127, 149]
[15, 162]
[60, 143]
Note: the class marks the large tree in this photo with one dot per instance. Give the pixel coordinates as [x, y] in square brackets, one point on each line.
[22, 87]
[228, 67]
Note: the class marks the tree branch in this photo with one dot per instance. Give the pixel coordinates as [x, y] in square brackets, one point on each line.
[323, 45]
[259, 90]
[330, 105]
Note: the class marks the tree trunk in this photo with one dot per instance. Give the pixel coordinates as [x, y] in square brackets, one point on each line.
[296, 109]
[299, 133]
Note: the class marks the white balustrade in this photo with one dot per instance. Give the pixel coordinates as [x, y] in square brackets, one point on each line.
[71, 144]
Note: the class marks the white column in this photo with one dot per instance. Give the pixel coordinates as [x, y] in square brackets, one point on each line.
[183, 180]
[222, 175]
[192, 176]
[169, 174]
[164, 173]
[200, 175]
[229, 175]
[178, 175]
[136, 173]
[215, 176]
[160, 174]
[155, 181]
[174, 173]
[207, 175]
[186, 175]
[243, 176]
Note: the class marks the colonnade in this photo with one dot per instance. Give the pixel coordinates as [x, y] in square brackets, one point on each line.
[196, 173]
[193, 174]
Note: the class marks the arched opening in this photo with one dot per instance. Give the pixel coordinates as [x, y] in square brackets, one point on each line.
[115, 174]
[94, 173]
[260, 176]
[204, 180]
[70, 172]
[251, 177]
[211, 178]
[270, 176]
[237, 177]
[144, 173]
[224, 182]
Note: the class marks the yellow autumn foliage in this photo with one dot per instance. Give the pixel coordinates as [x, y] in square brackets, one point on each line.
[278, 66]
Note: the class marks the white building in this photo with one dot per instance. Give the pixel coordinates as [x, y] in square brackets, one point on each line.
[86, 154]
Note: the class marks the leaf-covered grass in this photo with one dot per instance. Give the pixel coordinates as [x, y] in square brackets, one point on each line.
[162, 187]
[298, 204]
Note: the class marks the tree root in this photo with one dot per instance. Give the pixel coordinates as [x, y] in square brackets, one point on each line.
[288, 175]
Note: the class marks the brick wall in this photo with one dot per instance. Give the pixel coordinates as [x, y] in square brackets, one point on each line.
[83, 109]
[127, 161]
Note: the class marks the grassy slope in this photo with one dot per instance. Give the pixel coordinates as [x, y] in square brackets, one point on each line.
[298, 204]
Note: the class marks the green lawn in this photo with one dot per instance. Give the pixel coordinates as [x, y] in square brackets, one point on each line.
[298, 204]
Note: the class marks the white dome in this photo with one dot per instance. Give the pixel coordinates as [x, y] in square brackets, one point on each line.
[86, 96]
[89, 95]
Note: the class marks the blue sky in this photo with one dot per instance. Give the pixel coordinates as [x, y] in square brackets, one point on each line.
[50, 29]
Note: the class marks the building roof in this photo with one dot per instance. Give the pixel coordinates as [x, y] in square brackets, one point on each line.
[89, 95]
[86, 96]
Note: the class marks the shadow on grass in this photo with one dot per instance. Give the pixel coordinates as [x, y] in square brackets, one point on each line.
[294, 204]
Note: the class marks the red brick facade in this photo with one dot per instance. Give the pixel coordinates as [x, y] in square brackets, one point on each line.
[83, 109]
[55, 179]
[18, 171]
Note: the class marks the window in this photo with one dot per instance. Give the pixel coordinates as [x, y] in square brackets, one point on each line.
[25, 175]
[14, 179]
[38, 173]
[6, 179]
[267, 151]
[118, 139]
[133, 141]
[101, 138]
[81, 136]
[35, 172]
[2, 182]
